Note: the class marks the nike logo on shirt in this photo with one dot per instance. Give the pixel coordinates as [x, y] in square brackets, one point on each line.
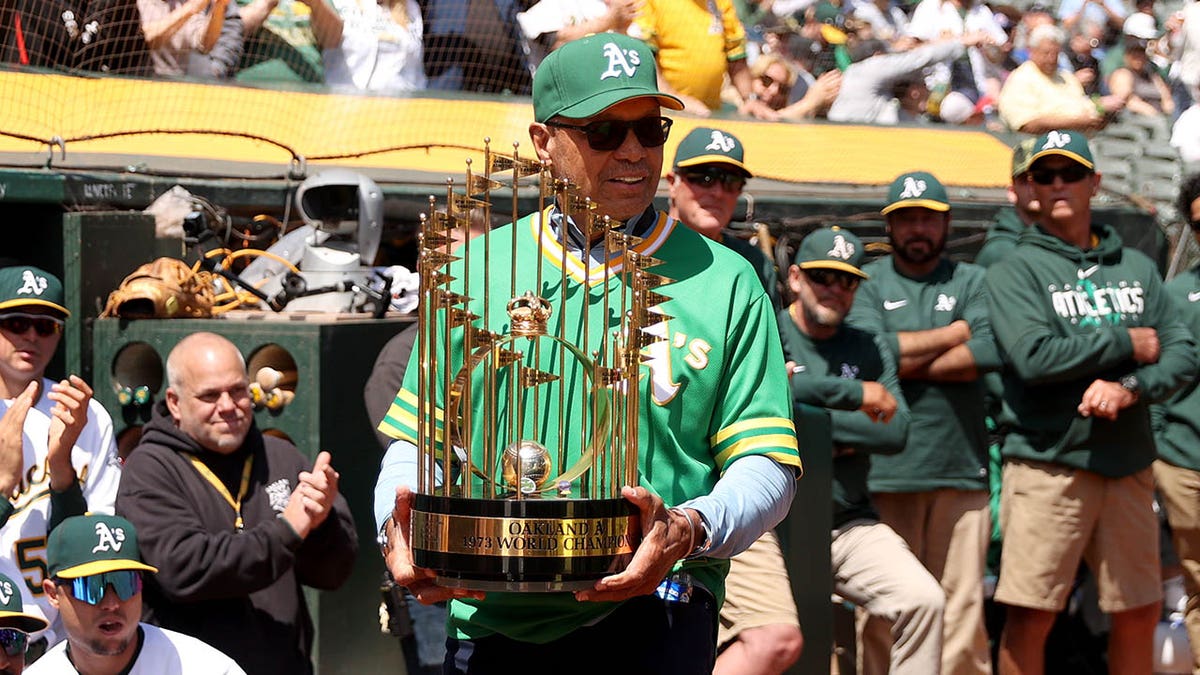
[1193, 296]
[1083, 274]
[889, 305]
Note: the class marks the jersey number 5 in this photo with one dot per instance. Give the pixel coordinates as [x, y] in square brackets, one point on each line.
[31, 558]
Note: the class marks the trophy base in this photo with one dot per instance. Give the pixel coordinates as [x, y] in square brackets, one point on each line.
[523, 545]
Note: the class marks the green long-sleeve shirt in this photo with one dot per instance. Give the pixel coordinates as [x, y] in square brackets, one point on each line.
[1066, 319]
[1001, 237]
[831, 373]
[947, 441]
[1176, 421]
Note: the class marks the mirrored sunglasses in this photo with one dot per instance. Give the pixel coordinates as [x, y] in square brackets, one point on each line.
[831, 278]
[17, 324]
[608, 135]
[13, 641]
[90, 589]
[710, 176]
[1071, 173]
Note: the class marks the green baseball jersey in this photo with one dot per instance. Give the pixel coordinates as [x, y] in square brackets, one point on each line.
[947, 440]
[712, 390]
[829, 375]
[1177, 420]
[1067, 314]
[1001, 237]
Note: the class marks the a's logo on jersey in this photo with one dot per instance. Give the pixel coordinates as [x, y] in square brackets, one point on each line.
[278, 494]
[31, 283]
[1056, 139]
[6, 592]
[849, 372]
[721, 142]
[108, 539]
[620, 61]
[913, 188]
[945, 303]
[657, 357]
[841, 248]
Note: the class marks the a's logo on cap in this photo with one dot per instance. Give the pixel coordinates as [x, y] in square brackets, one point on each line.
[1056, 139]
[620, 61]
[31, 283]
[108, 539]
[6, 592]
[721, 142]
[841, 248]
[913, 188]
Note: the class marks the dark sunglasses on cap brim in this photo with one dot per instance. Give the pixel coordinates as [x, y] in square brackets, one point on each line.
[17, 324]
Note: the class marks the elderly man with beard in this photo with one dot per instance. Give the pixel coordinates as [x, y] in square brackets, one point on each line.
[933, 312]
[852, 373]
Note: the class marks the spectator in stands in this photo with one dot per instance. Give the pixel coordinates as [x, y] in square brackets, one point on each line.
[774, 78]
[1108, 15]
[174, 29]
[1185, 134]
[549, 24]
[380, 46]
[1039, 96]
[222, 59]
[1177, 432]
[100, 36]
[889, 88]
[1089, 341]
[55, 439]
[851, 373]
[475, 45]
[284, 39]
[1139, 83]
[885, 18]
[230, 569]
[1185, 47]
[1081, 54]
[934, 20]
[694, 53]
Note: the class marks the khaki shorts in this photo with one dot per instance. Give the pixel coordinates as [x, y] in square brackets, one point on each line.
[1052, 516]
[757, 591]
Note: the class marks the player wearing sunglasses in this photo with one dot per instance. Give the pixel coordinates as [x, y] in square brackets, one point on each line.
[15, 628]
[934, 493]
[51, 435]
[718, 458]
[95, 581]
[1090, 340]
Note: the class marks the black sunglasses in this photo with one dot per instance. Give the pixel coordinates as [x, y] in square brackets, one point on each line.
[17, 324]
[711, 175]
[608, 135]
[13, 641]
[767, 81]
[825, 277]
[1071, 173]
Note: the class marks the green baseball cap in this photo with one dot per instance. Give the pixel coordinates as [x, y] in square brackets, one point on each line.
[12, 611]
[92, 544]
[1023, 156]
[832, 248]
[1070, 144]
[916, 188]
[591, 74]
[25, 285]
[704, 145]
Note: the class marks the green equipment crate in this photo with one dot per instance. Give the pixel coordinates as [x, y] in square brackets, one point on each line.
[327, 363]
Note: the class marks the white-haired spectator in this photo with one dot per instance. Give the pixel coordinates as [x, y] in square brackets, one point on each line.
[1039, 96]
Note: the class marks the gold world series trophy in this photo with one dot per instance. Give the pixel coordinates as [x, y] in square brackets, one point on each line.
[528, 403]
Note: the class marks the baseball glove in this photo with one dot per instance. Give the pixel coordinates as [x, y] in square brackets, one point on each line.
[163, 289]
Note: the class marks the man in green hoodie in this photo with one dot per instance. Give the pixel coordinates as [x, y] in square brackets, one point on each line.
[1177, 430]
[1011, 221]
[934, 493]
[1090, 341]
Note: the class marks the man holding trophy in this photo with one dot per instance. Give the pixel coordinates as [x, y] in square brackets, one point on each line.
[582, 443]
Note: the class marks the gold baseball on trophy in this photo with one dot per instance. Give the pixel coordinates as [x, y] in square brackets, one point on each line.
[525, 464]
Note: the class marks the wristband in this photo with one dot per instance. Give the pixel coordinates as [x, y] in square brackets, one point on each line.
[695, 550]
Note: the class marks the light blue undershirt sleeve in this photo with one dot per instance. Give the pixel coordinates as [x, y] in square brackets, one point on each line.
[752, 496]
[399, 467]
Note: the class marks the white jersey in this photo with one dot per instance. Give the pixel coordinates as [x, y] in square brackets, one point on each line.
[164, 652]
[23, 538]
